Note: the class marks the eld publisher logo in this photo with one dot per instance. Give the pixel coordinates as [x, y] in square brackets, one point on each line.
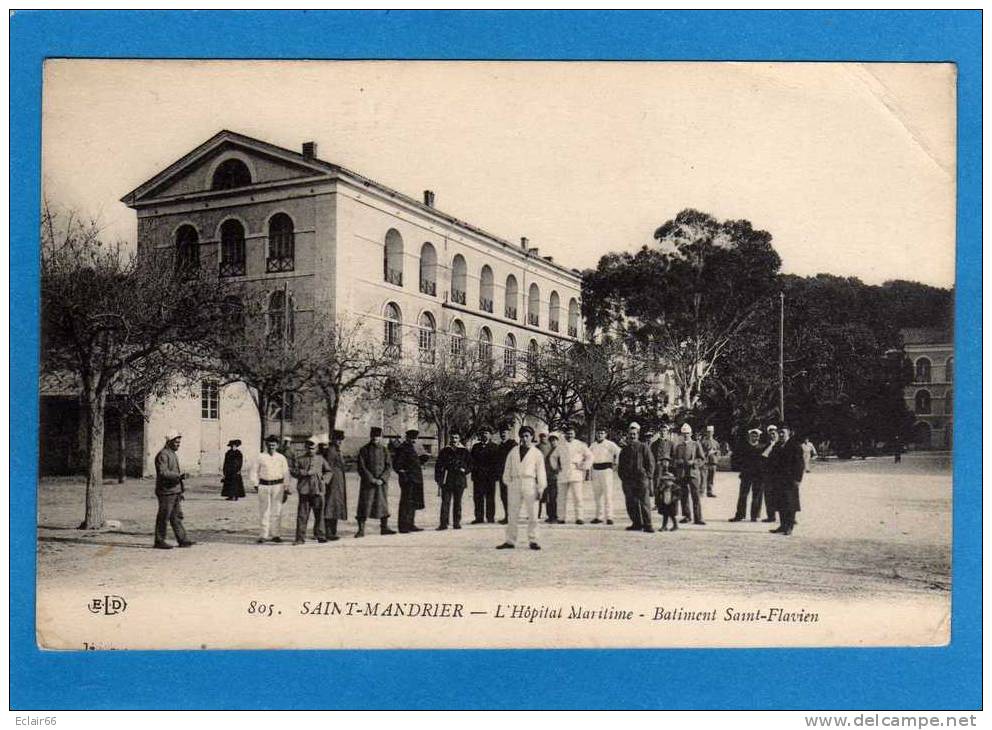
[107, 605]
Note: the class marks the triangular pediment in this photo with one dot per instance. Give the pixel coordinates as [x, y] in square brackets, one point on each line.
[193, 174]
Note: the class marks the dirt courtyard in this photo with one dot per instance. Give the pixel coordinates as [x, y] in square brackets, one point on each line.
[867, 528]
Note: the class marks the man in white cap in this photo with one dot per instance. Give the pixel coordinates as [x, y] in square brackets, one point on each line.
[636, 469]
[270, 474]
[750, 463]
[688, 459]
[575, 462]
[711, 448]
[525, 476]
[169, 491]
[604, 461]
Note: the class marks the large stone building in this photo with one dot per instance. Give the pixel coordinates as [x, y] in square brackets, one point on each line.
[930, 397]
[323, 241]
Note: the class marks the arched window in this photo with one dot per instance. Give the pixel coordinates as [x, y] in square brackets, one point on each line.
[233, 312]
[922, 402]
[282, 247]
[232, 249]
[923, 370]
[459, 275]
[573, 318]
[534, 306]
[392, 330]
[229, 174]
[485, 345]
[512, 297]
[510, 355]
[281, 324]
[554, 312]
[427, 338]
[949, 402]
[486, 289]
[428, 269]
[457, 337]
[392, 260]
[949, 370]
[187, 249]
[532, 355]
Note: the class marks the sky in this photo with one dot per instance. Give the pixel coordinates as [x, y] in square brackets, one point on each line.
[850, 167]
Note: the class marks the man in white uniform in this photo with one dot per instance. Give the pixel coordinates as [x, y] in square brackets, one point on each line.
[604, 461]
[270, 473]
[576, 461]
[525, 478]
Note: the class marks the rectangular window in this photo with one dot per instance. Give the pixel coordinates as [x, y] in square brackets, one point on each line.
[209, 400]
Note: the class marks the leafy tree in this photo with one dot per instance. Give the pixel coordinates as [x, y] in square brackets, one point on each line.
[685, 299]
[120, 324]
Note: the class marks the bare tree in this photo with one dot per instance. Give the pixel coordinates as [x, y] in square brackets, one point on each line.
[548, 391]
[116, 322]
[604, 374]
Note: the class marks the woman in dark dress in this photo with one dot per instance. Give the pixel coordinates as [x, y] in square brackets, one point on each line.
[234, 486]
[336, 496]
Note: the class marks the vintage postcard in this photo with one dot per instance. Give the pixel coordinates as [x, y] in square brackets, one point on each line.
[403, 354]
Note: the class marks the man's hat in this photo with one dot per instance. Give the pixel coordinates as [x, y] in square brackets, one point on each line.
[485, 429]
[772, 427]
[686, 428]
[526, 429]
[338, 435]
[756, 431]
[709, 428]
[412, 433]
[271, 439]
[313, 440]
[287, 439]
[172, 434]
[553, 437]
[375, 431]
[664, 427]
[234, 442]
[634, 425]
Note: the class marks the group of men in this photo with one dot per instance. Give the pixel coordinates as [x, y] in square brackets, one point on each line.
[662, 474]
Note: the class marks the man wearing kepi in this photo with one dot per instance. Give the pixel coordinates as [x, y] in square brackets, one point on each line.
[576, 460]
[336, 496]
[604, 459]
[270, 475]
[169, 491]
[485, 462]
[373, 469]
[711, 451]
[451, 475]
[310, 471]
[688, 458]
[636, 469]
[408, 462]
[524, 475]
[750, 462]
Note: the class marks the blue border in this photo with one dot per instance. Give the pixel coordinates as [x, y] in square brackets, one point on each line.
[939, 678]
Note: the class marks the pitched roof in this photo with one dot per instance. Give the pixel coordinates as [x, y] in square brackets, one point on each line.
[926, 336]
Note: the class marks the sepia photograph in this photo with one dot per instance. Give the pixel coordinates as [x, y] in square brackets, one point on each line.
[495, 354]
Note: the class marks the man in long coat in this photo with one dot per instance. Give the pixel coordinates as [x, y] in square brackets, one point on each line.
[484, 464]
[635, 466]
[407, 463]
[750, 463]
[451, 475]
[688, 459]
[769, 471]
[169, 492]
[373, 496]
[336, 495]
[788, 468]
[310, 470]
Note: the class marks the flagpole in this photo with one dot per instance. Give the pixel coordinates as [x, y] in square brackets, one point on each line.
[781, 356]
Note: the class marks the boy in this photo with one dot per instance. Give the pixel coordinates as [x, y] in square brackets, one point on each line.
[668, 499]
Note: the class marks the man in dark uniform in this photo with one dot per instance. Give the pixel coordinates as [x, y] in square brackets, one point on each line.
[169, 491]
[507, 444]
[635, 466]
[373, 493]
[451, 475]
[769, 472]
[407, 462]
[484, 456]
[310, 470]
[788, 469]
[711, 448]
[749, 462]
[336, 496]
[688, 458]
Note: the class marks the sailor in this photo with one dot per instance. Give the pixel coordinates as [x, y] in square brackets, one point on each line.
[525, 477]
[270, 477]
[576, 461]
[451, 475]
[408, 463]
[604, 461]
[636, 469]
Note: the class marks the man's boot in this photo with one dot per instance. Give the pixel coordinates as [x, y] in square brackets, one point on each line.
[384, 527]
[361, 529]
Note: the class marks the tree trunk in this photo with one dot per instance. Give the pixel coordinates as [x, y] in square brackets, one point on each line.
[121, 445]
[95, 407]
[263, 407]
[331, 406]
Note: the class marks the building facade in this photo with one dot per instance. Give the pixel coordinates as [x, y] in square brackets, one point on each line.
[322, 241]
[930, 397]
